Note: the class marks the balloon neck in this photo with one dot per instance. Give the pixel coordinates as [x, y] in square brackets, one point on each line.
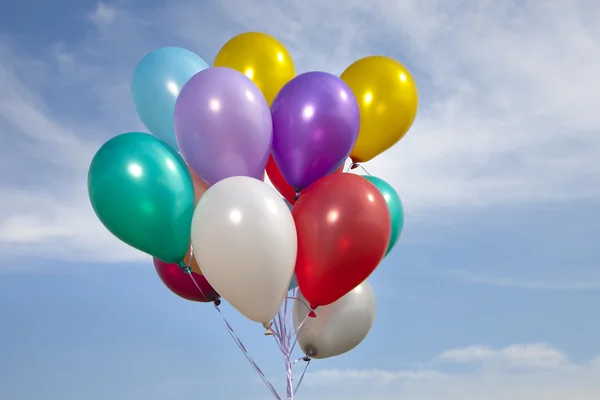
[312, 313]
[297, 195]
[268, 330]
[217, 302]
[186, 268]
[310, 352]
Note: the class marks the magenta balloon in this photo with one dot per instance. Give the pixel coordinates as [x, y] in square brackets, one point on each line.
[223, 125]
[315, 125]
[182, 285]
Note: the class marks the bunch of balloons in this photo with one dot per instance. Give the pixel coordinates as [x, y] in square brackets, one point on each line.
[192, 192]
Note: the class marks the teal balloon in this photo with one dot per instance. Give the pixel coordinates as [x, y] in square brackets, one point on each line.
[157, 81]
[293, 283]
[394, 205]
[141, 190]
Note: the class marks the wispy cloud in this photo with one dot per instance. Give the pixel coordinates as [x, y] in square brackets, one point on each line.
[507, 114]
[537, 355]
[591, 282]
[524, 371]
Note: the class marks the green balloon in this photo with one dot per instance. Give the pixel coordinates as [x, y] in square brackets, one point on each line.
[142, 191]
[394, 205]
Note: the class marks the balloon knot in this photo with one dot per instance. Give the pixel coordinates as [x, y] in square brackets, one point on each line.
[296, 196]
[354, 165]
[217, 302]
[306, 359]
[312, 314]
[186, 268]
[268, 330]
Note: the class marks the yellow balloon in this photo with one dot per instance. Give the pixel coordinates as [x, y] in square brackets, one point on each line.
[261, 58]
[387, 98]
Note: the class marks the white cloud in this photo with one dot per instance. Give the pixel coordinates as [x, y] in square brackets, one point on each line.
[508, 91]
[539, 355]
[103, 15]
[581, 282]
[44, 210]
[517, 372]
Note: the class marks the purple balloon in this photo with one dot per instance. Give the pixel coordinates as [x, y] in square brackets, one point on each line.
[223, 125]
[315, 125]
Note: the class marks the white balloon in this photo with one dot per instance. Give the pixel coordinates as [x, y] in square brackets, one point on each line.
[340, 326]
[244, 240]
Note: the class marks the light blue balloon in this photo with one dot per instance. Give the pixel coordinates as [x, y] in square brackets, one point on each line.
[157, 81]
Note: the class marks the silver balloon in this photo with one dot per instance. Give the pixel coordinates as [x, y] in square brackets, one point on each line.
[339, 327]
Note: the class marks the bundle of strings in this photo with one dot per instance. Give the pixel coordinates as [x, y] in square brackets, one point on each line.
[282, 330]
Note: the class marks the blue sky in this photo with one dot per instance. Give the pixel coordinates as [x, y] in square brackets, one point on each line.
[492, 291]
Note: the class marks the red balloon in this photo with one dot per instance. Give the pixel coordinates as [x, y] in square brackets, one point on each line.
[277, 179]
[344, 228]
[182, 285]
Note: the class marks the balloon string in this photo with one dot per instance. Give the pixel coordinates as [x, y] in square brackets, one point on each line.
[290, 378]
[289, 318]
[280, 331]
[248, 357]
[363, 168]
[277, 336]
[237, 341]
[297, 333]
[302, 376]
[283, 332]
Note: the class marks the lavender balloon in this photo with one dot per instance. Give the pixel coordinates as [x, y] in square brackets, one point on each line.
[223, 125]
[315, 125]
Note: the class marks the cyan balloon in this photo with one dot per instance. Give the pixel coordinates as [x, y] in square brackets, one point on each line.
[395, 206]
[142, 191]
[157, 81]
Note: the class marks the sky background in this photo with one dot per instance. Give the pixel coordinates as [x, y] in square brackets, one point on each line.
[492, 292]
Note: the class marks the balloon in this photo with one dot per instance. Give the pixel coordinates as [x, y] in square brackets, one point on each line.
[223, 125]
[142, 192]
[338, 327]
[281, 184]
[394, 205]
[344, 227]
[279, 181]
[388, 100]
[290, 205]
[261, 58]
[182, 285]
[200, 186]
[190, 261]
[157, 80]
[315, 125]
[293, 283]
[245, 240]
